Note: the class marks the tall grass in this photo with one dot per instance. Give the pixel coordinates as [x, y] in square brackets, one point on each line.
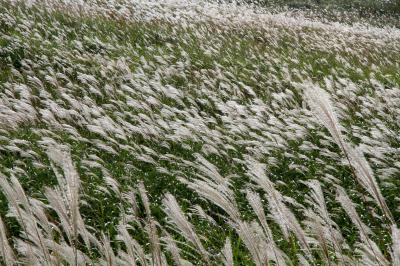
[196, 133]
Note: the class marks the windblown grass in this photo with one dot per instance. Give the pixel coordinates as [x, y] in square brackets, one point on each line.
[178, 132]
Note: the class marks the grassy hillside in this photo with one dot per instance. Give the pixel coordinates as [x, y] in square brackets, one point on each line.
[184, 132]
[365, 8]
[374, 12]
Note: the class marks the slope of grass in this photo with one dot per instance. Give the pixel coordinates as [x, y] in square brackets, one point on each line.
[170, 102]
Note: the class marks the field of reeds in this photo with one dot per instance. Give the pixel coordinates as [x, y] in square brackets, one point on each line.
[173, 132]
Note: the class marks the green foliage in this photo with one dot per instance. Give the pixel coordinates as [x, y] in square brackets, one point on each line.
[95, 46]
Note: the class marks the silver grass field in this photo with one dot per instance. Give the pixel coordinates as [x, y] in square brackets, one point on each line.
[188, 132]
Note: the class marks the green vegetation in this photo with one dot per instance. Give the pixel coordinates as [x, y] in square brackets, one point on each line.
[126, 100]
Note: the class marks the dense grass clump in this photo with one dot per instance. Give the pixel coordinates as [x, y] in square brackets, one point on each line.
[187, 132]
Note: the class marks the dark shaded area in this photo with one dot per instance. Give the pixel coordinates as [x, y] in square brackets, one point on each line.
[381, 12]
[364, 7]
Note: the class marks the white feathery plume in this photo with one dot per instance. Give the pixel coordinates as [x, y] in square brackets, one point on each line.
[303, 261]
[65, 253]
[227, 256]
[173, 249]
[351, 211]
[151, 228]
[322, 107]
[256, 204]
[213, 187]
[106, 250]
[319, 231]
[56, 202]
[65, 198]
[281, 214]
[39, 210]
[253, 238]
[327, 232]
[216, 190]
[30, 254]
[395, 252]
[130, 197]
[156, 253]
[371, 254]
[177, 217]
[6, 253]
[134, 250]
[368, 249]
[21, 209]
[175, 252]
[366, 178]
[198, 210]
